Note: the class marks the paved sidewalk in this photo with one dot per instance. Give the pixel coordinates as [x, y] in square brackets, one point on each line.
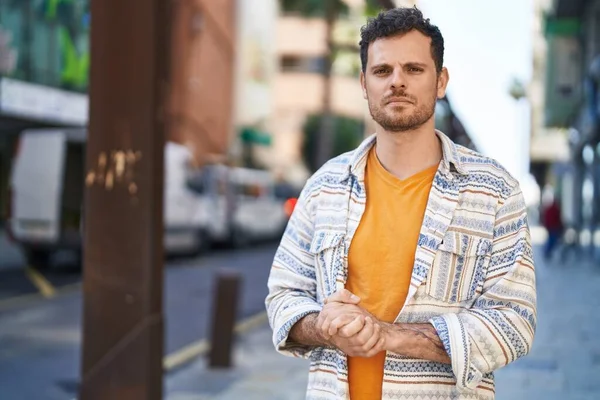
[563, 364]
[565, 359]
[259, 374]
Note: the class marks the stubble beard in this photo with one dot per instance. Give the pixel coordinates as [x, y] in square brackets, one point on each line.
[399, 121]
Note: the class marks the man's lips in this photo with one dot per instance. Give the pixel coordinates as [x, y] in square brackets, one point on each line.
[399, 100]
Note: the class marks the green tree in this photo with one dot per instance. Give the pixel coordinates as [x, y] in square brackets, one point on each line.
[330, 10]
[373, 7]
[67, 16]
[346, 135]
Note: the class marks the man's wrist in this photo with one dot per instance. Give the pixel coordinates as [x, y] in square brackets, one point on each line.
[391, 337]
[321, 338]
[418, 340]
[305, 332]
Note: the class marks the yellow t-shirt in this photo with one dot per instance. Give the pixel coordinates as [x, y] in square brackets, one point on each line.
[381, 258]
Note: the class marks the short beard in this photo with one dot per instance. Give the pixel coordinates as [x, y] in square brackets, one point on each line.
[402, 123]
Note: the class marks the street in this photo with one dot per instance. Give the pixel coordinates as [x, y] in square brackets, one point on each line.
[10, 256]
[564, 362]
[40, 338]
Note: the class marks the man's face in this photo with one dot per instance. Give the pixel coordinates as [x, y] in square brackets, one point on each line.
[400, 82]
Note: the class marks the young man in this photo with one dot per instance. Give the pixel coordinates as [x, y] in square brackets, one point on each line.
[406, 270]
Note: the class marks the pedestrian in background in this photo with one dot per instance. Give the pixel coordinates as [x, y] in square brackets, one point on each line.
[552, 220]
[406, 270]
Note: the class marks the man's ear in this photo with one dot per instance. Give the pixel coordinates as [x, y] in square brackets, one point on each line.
[442, 82]
[363, 84]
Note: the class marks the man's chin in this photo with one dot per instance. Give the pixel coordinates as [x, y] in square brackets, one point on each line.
[395, 128]
[399, 123]
[398, 126]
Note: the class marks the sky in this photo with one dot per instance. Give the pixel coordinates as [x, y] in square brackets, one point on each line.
[487, 44]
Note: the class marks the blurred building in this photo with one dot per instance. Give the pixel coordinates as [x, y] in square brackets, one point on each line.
[207, 74]
[571, 96]
[246, 74]
[298, 87]
[44, 64]
[548, 145]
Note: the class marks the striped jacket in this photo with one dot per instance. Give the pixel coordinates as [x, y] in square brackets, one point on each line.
[473, 278]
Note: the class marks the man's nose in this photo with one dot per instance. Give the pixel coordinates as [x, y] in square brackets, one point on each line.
[398, 79]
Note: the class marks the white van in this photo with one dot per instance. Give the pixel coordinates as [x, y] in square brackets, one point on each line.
[47, 193]
[186, 211]
[201, 206]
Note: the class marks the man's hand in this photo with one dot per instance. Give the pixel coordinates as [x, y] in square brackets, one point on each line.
[366, 343]
[341, 310]
[350, 328]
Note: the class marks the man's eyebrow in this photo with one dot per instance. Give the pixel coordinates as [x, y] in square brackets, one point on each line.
[407, 64]
[415, 64]
[382, 65]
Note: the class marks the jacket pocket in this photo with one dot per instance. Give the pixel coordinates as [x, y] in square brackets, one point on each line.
[459, 267]
[330, 261]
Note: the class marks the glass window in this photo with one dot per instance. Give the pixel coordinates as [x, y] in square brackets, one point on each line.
[50, 39]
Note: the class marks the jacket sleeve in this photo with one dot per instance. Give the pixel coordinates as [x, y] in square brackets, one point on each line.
[500, 326]
[292, 281]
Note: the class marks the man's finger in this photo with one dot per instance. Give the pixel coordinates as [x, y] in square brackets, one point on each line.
[324, 327]
[373, 337]
[343, 296]
[368, 331]
[353, 327]
[379, 347]
[340, 322]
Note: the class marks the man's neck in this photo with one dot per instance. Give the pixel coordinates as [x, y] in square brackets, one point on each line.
[404, 154]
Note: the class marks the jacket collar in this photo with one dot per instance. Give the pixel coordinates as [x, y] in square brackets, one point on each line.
[450, 157]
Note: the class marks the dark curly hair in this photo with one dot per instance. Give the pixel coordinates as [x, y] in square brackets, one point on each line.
[398, 21]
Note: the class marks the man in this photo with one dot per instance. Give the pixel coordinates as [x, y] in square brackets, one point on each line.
[406, 269]
[552, 220]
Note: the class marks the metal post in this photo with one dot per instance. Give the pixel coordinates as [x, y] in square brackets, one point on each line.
[123, 277]
[223, 319]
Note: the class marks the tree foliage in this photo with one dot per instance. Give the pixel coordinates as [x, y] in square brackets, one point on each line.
[347, 135]
[313, 8]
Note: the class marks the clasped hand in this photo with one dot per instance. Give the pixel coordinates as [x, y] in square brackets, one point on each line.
[344, 324]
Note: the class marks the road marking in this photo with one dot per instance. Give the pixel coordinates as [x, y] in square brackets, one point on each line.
[186, 354]
[40, 282]
[174, 360]
[201, 347]
[251, 323]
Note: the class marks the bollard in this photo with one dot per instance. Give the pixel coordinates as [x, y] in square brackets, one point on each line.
[225, 303]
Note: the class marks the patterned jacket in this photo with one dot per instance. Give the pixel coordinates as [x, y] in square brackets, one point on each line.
[473, 278]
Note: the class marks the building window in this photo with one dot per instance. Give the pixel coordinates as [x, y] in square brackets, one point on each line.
[48, 42]
[312, 65]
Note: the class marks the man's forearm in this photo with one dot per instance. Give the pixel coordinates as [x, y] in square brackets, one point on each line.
[305, 332]
[416, 341]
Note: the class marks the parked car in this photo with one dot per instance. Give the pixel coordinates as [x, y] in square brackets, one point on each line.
[215, 203]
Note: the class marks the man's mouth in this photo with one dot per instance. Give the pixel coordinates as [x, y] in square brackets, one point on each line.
[399, 100]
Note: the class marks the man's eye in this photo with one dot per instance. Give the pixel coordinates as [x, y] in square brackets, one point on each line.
[415, 69]
[380, 71]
